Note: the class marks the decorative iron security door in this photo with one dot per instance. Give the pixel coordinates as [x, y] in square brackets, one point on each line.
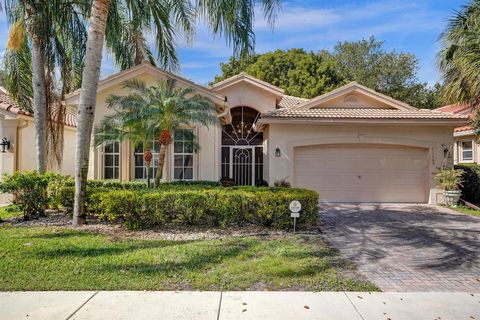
[242, 165]
[242, 152]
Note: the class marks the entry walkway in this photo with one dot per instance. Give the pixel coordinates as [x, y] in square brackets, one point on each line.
[238, 305]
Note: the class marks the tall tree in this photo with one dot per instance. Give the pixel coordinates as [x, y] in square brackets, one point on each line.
[459, 57]
[235, 65]
[300, 73]
[2, 82]
[391, 73]
[308, 74]
[231, 19]
[29, 19]
[46, 38]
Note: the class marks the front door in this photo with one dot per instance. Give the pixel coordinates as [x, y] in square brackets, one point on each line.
[242, 151]
[242, 166]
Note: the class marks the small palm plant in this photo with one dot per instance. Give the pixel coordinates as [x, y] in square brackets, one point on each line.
[157, 111]
[451, 181]
[124, 125]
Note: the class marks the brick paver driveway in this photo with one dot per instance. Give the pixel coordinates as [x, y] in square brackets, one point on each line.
[407, 247]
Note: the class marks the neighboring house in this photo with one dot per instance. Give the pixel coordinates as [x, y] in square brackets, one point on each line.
[352, 144]
[18, 128]
[465, 148]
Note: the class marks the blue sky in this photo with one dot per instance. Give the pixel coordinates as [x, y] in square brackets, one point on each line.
[408, 26]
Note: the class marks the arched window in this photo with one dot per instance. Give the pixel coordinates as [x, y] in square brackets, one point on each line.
[240, 131]
[242, 152]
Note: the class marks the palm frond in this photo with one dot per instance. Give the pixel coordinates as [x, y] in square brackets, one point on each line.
[459, 57]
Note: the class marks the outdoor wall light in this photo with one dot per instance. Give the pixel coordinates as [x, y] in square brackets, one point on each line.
[277, 152]
[445, 152]
[5, 144]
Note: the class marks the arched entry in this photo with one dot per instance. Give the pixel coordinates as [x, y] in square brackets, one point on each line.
[242, 151]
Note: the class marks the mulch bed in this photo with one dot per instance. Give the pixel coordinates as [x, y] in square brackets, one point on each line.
[167, 232]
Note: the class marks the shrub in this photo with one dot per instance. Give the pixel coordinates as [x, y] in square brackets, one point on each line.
[56, 184]
[30, 191]
[471, 182]
[450, 179]
[96, 187]
[139, 185]
[227, 182]
[282, 183]
[261, 183]
[208, 207]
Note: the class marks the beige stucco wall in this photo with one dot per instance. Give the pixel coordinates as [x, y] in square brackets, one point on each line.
[206, 161]
[246, 94]
[25, 149]
[20, 131]
[362, 101]
[287, 137]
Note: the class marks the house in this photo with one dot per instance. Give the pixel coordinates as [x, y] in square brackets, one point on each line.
[17, 129]
[466, 149]
[352, 144]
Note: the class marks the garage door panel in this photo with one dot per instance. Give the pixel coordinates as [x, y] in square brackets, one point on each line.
[363, 173]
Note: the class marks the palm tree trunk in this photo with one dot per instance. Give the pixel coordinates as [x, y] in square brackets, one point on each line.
[148, 174]
[86, 105]
[161, 162]
[147, 159]
[39, 102]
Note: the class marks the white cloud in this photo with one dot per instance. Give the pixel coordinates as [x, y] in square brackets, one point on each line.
[299, 18]
[198, 65]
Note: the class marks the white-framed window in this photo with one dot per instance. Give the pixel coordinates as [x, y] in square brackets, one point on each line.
[183, 154]
[111, 160]
[140, 170]
[466, 151]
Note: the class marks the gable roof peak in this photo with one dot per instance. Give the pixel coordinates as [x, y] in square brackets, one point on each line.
[134, 71]
[242, 76]
[351, 86]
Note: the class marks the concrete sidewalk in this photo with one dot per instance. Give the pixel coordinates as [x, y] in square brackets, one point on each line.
[238, 305]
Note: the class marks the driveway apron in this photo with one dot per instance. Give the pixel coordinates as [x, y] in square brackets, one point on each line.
[402, 247]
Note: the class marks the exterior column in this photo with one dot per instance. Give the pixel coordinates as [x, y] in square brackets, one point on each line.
[455, 152]
[8, 129]
[125, 161]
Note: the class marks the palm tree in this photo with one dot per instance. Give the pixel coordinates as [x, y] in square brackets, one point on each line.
[231, 19]
[459, 57]
[160, 109]
[46, 38]
[124, 124]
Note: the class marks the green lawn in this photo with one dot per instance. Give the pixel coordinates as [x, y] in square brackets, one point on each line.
[466, 210]
[10, 212]
[40, 258]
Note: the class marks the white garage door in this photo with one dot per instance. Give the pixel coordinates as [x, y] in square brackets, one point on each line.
[363, 173]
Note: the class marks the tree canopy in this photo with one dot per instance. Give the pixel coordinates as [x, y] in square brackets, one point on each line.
[2, 82]
[308, 74]
[459, 56]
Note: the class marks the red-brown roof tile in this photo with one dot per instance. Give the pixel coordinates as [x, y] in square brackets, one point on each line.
[459, 109]
[361, 113]
[8, 104]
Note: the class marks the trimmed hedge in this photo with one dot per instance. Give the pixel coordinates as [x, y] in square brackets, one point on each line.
[471, 182]
[139, 185]
[96, 187]
[208, 207]
[184, 202]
